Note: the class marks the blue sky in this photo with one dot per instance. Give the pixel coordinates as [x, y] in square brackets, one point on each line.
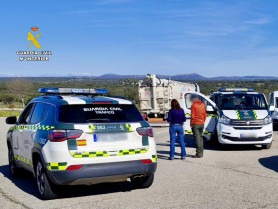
[212, 38]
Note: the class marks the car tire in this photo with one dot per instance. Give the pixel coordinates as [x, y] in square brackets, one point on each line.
[45, 187]
[214, 138]
[267, 146]
[142, 182]
[14, 170]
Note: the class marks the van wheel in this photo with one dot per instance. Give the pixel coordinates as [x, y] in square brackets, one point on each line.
[214, 138]
[44, 185]
[267, 146]
[142, 182]
[14, 170]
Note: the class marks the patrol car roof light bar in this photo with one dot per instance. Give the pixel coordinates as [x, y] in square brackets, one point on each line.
[236, 89]
[72, 91]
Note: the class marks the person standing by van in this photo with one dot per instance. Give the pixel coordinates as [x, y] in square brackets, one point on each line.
[197, 121]
[176, 118]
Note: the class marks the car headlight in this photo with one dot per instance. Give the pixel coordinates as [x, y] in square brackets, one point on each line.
[225, 120]
[267, 120]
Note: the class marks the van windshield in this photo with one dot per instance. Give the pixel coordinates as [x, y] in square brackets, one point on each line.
[244, 101]
[99, 113]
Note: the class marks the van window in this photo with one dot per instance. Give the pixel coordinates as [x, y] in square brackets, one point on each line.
[241, 101]
[38, 113]
[271, 99]
[99, 113]
[188, 102]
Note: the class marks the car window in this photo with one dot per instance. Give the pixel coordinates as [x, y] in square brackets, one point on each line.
[49, 111]
[99, 113]
[38, 113]
[25, 116]
[241, 101]
[188, 102]
[271, 99]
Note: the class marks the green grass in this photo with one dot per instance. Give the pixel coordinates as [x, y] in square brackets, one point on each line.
[7, 113]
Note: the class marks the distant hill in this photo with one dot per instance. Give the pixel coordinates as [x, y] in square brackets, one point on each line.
[189, 77]
[180, 77]
[116, 76]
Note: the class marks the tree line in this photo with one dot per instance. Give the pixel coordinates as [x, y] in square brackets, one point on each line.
[21, 90]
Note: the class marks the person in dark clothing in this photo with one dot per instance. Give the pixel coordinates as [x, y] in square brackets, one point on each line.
[176, 118]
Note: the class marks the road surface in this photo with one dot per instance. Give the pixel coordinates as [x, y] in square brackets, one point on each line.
[232, 177]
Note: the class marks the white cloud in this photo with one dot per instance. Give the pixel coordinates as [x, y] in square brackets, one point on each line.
[261, 21]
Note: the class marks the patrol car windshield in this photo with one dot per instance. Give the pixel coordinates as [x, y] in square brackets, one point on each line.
[99, 113]
[242, 101]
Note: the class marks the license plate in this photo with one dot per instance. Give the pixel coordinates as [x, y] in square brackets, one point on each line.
[248, 135]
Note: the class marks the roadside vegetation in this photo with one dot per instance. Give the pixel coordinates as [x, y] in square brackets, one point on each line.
[17, 92]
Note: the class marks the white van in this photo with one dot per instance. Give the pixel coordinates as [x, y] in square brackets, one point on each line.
[273, 107]
[234, 116]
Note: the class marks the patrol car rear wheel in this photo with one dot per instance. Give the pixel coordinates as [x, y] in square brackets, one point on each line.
[44, 186]
[142, 182]
[12, 165]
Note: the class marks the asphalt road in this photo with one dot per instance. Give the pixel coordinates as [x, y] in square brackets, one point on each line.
[232, 177]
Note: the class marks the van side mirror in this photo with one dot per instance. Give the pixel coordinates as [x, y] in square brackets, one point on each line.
[271, 108]
[210, 108]
[11, 120]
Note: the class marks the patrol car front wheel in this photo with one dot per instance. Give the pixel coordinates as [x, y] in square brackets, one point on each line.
[44, 185]
[142, 182]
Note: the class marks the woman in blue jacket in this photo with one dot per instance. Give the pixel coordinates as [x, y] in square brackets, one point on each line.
[176, 118]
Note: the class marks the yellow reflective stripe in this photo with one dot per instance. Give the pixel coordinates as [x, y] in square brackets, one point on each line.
[238, 115]
[208, 115]
[212, 115]
[23, 159]
[128, 126]
[56, 165]
[76, 154]
[154, 158]
[91, 127]
[190, 132]
[255, 114]
[132, 151]
[89, 154]
[32, 127]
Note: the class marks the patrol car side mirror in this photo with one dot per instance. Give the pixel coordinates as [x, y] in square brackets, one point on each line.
[210, 108]
[271, 108]
[11, 120]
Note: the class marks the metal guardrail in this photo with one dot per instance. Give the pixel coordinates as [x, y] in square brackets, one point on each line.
[16, 109]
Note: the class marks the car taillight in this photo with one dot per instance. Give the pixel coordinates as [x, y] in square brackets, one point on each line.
[62, 135]
[73, 134]
[145, 131]
[74, 167]
[146, 161]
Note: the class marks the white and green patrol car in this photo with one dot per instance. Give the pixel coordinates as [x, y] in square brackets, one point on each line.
[81, 137]
[234, 116]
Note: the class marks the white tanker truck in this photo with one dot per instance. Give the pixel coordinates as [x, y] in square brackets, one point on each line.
[155, 95]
